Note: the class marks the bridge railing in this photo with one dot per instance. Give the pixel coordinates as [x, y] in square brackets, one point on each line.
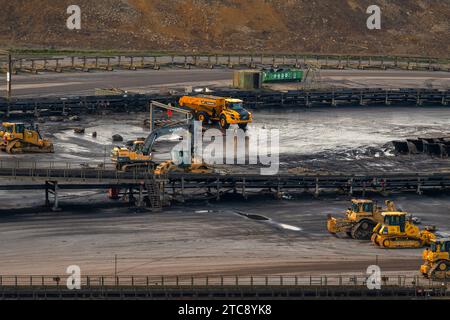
[42, 164]
[61, 164]
[99, 281]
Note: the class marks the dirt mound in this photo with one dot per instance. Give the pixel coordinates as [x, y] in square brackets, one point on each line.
[415, 27]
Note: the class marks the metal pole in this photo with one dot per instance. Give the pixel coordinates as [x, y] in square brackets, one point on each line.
[9, 77]
[115, 265]
[152, 120]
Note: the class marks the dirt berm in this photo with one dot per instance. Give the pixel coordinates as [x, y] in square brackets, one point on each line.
[414, 27]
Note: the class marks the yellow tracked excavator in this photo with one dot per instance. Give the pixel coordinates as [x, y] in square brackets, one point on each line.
[22, 138]
[139, 155]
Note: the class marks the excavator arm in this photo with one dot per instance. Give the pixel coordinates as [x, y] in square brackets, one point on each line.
[163, 131]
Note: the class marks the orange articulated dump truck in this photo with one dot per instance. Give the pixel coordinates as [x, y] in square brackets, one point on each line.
[226, 111]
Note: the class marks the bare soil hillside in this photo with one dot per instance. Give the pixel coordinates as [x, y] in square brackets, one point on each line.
[413, 27]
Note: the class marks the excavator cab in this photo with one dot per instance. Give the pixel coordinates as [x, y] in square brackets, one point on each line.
[138, 146]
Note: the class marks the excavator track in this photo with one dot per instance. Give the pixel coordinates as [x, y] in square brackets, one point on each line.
[137, 166]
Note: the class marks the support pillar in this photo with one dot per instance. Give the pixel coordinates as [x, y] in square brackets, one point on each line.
[279, 191]
[140, 197]
[350, 191]
[218, 190]
[317, 190]
[419, 187]
[51, 187]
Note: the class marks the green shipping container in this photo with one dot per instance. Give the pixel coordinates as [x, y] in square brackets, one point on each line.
[282, 75]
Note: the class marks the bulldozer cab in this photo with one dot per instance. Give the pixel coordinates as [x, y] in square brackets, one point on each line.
[362, 206]
[395, 219]
[13, 127]
[440, 245]
[18, 128]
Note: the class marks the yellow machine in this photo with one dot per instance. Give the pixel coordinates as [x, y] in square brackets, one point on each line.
[131, 157]
[169, 166]
[226, 111]
[396, 231]
[437, 260]
[139, 154]
[20, 138]
[359, 220]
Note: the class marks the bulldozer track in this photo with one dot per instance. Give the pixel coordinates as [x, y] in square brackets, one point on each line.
[10, 147]
[27, 148]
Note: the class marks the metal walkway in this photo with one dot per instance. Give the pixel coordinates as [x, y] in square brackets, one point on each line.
[186, 186]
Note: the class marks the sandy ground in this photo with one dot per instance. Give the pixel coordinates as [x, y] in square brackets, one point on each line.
[209, 237]
[203, 238]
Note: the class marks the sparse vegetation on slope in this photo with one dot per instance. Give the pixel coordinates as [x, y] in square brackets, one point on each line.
[415, 27]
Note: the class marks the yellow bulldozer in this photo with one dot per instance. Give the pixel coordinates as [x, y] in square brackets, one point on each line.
[22, 138]
[437, 260]
[359, 220]
[169, 166]
[398, 231]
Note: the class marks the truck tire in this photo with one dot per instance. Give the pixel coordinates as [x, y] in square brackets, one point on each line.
[223, 122]
[203, 117]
